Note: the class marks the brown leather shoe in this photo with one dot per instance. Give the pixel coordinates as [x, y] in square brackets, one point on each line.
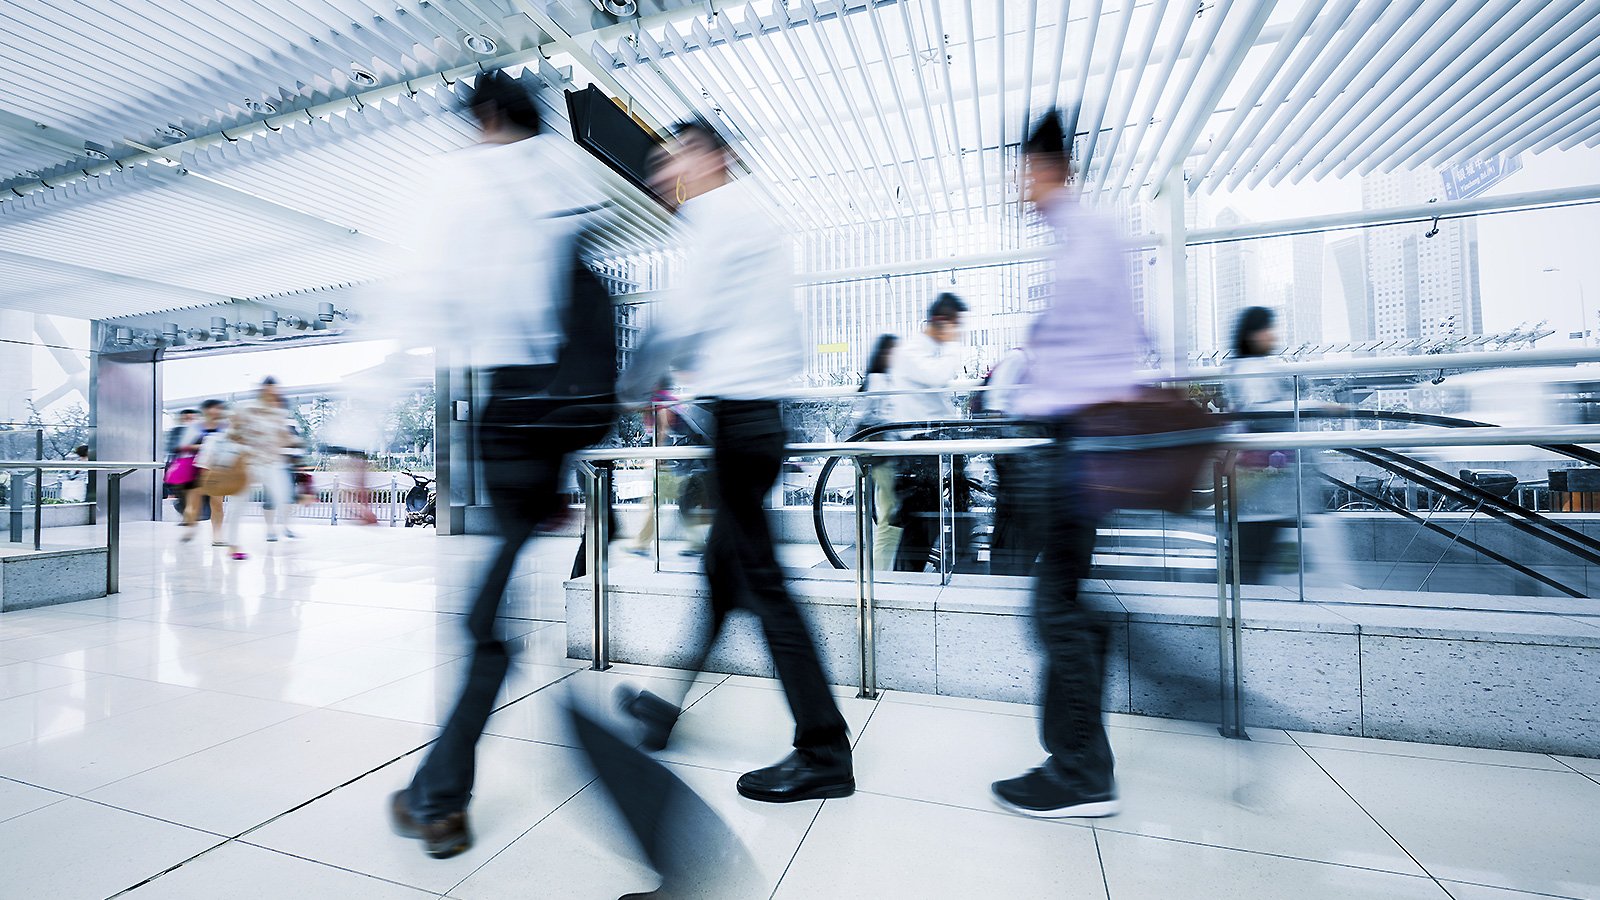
[441, 838]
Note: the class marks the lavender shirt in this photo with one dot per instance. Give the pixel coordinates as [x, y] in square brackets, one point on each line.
[1087, 345]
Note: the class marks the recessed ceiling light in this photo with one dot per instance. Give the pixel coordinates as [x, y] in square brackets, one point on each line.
[95, 153]
[172, 132]
[481, 44]
[362, 76]
[259, 106]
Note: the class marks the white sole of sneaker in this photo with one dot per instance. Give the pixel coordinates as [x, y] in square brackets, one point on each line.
[1100, 809]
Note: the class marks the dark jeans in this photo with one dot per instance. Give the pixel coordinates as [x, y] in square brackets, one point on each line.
[1073, 636]
[1258, 542]
[522, 470]
[742, 569]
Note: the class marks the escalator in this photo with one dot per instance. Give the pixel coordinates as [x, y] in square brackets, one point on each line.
[1166, 553]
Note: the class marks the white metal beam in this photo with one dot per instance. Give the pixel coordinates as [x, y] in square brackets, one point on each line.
[1183, 20]
[1125, 105]
[1506, 36]
[1180, 104]
[1254, 19]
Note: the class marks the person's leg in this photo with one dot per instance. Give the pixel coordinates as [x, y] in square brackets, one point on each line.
[433, 807]
[748, 456]
[886, 535]
[1077, 779]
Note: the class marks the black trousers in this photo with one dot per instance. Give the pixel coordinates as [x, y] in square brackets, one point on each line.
[1073, 637]
[522, 466]
[742, 570]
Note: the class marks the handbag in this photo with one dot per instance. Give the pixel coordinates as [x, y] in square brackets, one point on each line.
[180, 471]
[1145, 453]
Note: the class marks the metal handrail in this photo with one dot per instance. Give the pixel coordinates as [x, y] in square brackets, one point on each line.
[597, 464]
[1431, 364]
[116, 470]
[1416, 438]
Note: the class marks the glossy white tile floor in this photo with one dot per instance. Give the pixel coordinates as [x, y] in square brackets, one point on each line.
[230, 730]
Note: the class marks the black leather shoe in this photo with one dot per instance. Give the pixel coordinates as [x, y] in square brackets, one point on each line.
[654, 715]
[800, 776]
[441, 838]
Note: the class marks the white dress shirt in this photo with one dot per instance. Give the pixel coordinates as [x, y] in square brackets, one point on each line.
[925, 369]
[731, 330]
[490, 252]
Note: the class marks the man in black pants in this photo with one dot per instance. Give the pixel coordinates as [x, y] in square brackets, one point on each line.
[504, 284]
[1083, 349]
[734, 332]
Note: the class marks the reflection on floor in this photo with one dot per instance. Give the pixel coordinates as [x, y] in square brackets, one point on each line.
[228, 730]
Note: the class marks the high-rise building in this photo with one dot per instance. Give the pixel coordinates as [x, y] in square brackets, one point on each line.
[1236, 276]
[1348, 281]
[1303, 311]
[1423, 279]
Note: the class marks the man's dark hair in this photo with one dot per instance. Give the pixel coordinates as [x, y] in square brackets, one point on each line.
[946, 306]
[213, 403]
[700, 130]
[81, 450]
[1049, 137]
[497, 92]
[191, 411]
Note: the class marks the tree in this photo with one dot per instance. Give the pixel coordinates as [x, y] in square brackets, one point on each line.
[411, 422]
[64, 431]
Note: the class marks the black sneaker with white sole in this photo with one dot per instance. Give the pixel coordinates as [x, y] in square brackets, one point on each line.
[1044, 795]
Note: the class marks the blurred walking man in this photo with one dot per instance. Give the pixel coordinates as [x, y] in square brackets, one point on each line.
[1083, 349]
[500, 282]
[735, 334]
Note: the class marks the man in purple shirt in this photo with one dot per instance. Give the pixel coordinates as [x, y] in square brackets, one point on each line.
[1083, 349]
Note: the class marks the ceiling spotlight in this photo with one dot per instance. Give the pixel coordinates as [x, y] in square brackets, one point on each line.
[617, 7]
[361, 76]
[481, 44]
[219, 328]
[261, 107]
[122, 337]
[269, 324]
[94, 152]
[172, 132]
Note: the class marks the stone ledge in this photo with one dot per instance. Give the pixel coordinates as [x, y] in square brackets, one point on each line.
[1373, 669]
[31, 578]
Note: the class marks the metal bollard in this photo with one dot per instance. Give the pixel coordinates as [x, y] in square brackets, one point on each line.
[598, 540]
[333, 508]
[19, 483]
[394, 501]
[866, 611]
[1229, 606]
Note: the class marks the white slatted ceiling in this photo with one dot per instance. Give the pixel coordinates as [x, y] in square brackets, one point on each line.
[114, 72]
[857, 111]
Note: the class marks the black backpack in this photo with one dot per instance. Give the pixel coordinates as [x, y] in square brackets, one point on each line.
[581, 394]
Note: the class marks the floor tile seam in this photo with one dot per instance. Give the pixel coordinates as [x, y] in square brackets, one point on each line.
[207, 748]
[524, 833]
[222, 835]
[60, 796]
[317, 862]
[887, 699]
[778, 885]
[188, 692]
[243, 835]
[1368, 813]
[865, 725]
[172, 868]
[988, 809]
[1565, 770]
[1105, 878]
[1531, 893]
[1103, 826]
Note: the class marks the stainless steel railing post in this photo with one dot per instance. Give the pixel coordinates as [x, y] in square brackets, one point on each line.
[598, 541]
[113, 530]
[1229, 607]
[946, 517]
[19, 483]
[38, 491]
[866, 612]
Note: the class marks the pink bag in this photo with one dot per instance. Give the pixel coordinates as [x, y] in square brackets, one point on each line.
[180, 471]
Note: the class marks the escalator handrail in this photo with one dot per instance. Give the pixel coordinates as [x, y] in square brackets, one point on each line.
[1582, 454]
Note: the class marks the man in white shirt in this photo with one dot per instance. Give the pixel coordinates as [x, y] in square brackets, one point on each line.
[923, 371]
[495, 268]
[734, 331]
